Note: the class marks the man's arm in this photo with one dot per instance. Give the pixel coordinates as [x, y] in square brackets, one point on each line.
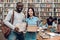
[7, 19]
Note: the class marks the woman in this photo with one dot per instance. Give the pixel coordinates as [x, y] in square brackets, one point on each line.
[31, 20]
[43, 24]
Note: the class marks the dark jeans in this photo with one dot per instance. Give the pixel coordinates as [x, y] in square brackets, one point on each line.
[20, 36]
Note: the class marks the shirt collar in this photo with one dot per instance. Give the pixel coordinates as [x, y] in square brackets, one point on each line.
[32, 17]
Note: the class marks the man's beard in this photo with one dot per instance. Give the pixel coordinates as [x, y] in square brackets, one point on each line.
[19, 10]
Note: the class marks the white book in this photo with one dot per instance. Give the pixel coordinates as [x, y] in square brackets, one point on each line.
[11, 5]
[48, 1]
[56, 14]
[0, 9]
[21, 26]
[14, 1]
[58, 1]
[43, 1]
[49, 14]
[1, 5]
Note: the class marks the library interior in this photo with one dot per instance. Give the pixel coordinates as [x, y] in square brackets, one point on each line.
[47, 12]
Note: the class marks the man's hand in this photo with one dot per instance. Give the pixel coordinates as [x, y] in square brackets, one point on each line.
[16, 29]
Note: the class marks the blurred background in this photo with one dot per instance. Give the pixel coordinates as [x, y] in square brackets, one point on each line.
[43, 8]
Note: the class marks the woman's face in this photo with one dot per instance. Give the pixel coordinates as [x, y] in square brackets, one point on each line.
[44, 22]
[30, 12]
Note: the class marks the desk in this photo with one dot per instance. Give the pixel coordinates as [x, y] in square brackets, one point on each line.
[53, 38]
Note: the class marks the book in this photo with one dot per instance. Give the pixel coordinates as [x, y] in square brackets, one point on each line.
[11, 5]
[36, 1]
[6, 9]
[58, 1]
[32, 29]
[1, 5]
[42, 5]
[1, 0]
[24, 1]
[14, 1]
[20, 0]
[0, 16]
[42, 10]
[57, 14]
[49, 14]
[48, 5]
[48, 1]
[42, 1]
[44, 14]
[21, 26]
[1, 10]
[11, 1]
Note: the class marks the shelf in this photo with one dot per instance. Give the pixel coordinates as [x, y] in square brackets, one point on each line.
[9, 7]
[1, 2]
[57, 7]
[40, 7]
[46, 3]
[56, 3]
[46, 7]
[56, 12]
[46, 12]
[9, 3]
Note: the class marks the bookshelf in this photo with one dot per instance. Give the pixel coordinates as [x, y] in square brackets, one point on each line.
[57, 8]
[43, 8]
[46, 7]
[1, 11]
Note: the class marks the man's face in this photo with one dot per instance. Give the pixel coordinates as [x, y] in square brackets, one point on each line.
[50, 20]
[19, 7]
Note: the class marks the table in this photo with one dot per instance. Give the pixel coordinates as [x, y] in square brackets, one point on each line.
[54, 38]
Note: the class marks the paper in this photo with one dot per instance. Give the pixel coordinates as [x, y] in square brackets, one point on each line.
[52, 34]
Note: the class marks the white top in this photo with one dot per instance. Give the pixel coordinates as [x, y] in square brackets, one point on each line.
[18, 18]
[54, 25]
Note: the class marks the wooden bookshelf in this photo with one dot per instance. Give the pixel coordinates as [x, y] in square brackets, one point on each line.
[1, 10]
[43, 8]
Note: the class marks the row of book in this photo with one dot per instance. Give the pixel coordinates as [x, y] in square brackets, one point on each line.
[57, 10]
[49, 14]
[38, 5]
[28, 1]
[9, 5]
[46, 9]
[50, 1]
[42, 1]
[12, 1]
[1, 9]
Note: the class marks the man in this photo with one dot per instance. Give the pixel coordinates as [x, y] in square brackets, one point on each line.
[18, 18]
[50, 20]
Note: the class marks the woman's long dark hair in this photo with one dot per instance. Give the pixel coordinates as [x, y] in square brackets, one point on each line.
[28, 11]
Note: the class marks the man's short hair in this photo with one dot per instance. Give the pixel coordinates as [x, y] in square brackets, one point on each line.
[19, 3]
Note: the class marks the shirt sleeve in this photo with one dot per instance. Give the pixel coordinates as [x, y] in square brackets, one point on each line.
[23, 18]
[46, 25]
[7, 19]
[40, 25]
